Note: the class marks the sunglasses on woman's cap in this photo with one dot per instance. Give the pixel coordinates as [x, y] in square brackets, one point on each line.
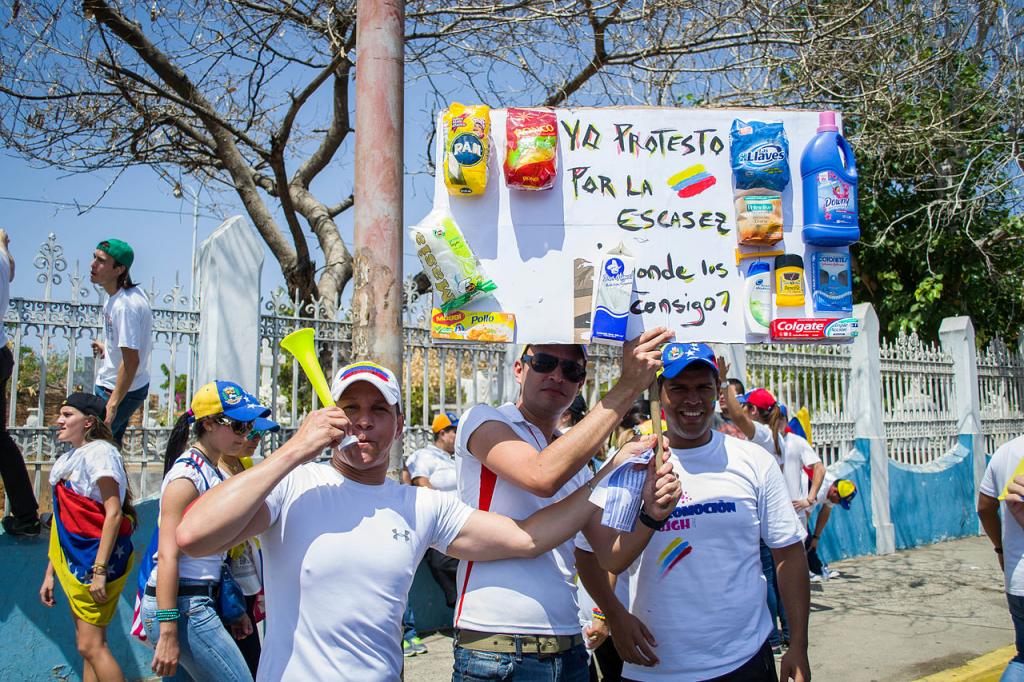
[545, 363]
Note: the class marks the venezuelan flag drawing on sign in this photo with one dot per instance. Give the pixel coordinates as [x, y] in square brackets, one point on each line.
[74, 541]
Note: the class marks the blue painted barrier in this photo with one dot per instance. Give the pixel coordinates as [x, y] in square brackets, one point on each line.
[934, 502]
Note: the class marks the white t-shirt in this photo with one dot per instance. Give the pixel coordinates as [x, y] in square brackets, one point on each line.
[826, 484]
[763, 437]
[997, 474]
[515, 596]
[127, 323]
[196, 468]
[84, 466]
[338, 560]
[698, 585]
[5, 293]
[798, 454]
[435, 464]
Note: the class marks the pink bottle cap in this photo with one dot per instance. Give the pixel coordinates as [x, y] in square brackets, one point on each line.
[827, 122]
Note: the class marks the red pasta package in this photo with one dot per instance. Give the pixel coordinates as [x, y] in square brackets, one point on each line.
[532, 137]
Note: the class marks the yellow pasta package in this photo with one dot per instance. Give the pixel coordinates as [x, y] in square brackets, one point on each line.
[466, 147]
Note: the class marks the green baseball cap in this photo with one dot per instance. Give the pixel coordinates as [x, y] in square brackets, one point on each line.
[118, 250]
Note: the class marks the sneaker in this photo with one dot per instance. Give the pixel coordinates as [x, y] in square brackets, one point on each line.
[830, 573]
[777, 651]
[46, 520]
[407, 649]
[417, 646]
[14, 526]
[814, 578]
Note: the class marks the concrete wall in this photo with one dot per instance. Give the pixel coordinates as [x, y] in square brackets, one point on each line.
[934, 502]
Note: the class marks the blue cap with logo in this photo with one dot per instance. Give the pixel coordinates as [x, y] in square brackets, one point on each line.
[676, 357]
[227, 398]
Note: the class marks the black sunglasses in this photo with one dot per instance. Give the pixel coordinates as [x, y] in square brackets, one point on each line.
[545, 363]
[240, 428]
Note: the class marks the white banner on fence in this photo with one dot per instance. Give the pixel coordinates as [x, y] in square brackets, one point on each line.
[612, 186]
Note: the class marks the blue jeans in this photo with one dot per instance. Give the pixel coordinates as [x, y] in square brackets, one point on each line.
[408, 623]
[207, 653]
[132, 401]
[478, 666]
[1015, 669]
[774, 602]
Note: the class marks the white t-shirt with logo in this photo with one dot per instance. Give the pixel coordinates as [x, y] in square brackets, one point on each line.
[338, 560]
[997, 474]
[698, 585]
[193, 466]
[84, 466]
[515, 596]
[436, 465]
[127, 323]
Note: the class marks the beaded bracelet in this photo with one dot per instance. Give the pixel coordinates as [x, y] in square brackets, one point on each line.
[167, 615]
[598, 614]
[99, 569]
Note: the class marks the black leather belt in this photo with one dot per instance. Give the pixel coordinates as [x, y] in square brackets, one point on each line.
[207, 590]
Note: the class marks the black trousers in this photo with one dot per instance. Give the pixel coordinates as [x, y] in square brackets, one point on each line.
[760, 668]
[606, 660]
[813, 560]
[12, 465]
[444, 568]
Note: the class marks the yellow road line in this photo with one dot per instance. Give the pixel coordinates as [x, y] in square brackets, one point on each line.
[987, 668]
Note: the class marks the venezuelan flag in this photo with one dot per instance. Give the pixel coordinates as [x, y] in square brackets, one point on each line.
[74, 541]
[801, 425]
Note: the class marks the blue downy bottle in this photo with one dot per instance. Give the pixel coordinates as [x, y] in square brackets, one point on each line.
[829, 175]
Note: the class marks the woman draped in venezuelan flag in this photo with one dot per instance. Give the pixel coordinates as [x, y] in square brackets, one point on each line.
[91, 536]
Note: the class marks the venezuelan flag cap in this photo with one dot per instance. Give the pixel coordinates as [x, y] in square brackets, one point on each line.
[676, 357]
[847, 490]
[227, 398]
[382, 378]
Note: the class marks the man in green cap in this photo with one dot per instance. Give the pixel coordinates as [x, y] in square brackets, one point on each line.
[123, 377]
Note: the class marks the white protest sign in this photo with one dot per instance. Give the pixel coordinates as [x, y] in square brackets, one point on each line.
[612, 186]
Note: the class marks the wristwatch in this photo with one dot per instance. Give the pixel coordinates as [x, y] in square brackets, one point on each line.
[652, 523]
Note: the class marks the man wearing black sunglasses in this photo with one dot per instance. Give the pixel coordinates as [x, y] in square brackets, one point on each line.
[512, 460]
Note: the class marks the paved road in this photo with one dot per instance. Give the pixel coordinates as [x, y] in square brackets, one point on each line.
[897, 617]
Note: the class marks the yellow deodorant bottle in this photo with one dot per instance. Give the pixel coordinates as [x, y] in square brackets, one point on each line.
[789, 280]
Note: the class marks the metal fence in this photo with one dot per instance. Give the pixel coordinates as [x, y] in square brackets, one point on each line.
[918, 400]
[815, 377]
[1000, 390]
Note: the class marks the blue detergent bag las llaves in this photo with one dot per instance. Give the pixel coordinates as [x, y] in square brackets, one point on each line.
[829, 175]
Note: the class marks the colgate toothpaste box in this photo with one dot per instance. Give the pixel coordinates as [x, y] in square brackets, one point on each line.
[814, 328]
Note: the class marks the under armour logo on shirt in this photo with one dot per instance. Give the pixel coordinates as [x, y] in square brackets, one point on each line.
[400, 534]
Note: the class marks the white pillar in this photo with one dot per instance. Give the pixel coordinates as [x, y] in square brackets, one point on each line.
[864, 398]
[230, 264]
[956, 334]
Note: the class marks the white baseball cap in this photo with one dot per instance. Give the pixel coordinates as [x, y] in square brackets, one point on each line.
[382, 378]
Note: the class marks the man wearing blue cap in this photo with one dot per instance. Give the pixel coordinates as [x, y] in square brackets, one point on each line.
[699, 587]
[123, 377]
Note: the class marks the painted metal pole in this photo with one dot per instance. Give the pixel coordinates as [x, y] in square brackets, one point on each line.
[380, 111]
